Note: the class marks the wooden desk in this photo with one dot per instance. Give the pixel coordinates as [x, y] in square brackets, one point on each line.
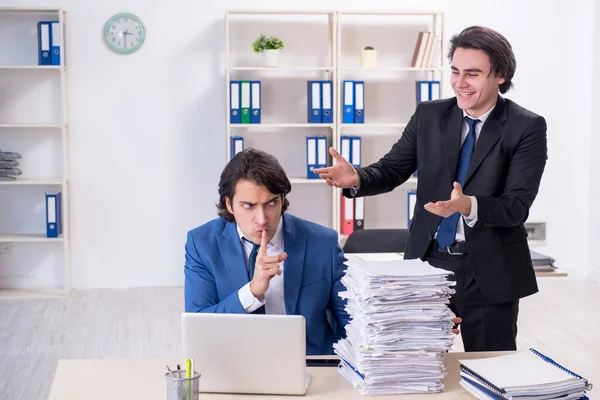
[117, 379]
[399, 256]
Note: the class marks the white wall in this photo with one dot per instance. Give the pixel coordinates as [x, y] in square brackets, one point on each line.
[594, 218]
[147, 130]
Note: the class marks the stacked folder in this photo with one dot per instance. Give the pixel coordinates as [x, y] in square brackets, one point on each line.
[427, 90]
[48, 35]
[527, 375]
[8, 166]
[400, 326]
[352, 210]
[245, 102]
[542, 262]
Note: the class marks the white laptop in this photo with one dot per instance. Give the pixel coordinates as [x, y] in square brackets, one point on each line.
[247, 353]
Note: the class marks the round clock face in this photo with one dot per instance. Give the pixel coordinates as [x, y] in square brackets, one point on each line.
[124, 33]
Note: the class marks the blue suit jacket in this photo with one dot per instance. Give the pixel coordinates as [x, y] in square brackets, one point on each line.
[215, 269]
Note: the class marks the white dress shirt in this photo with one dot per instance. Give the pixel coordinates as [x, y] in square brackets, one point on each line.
[273, 299]
[470, 219]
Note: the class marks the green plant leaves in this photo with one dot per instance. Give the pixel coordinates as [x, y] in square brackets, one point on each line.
[263, 43]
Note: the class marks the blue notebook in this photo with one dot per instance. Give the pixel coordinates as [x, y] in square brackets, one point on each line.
[521, 375]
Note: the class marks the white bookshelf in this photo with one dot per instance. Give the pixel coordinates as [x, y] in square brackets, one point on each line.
[29, 239]
[343, 33]
[32, 126]
[282, 125]
[273, 69]
[32, 67]
[35, 125]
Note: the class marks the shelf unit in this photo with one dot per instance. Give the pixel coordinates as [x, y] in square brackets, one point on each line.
[341, 46]
[35, 267]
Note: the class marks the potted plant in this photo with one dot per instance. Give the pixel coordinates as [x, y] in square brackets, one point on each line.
[270, 47]
[368, 57]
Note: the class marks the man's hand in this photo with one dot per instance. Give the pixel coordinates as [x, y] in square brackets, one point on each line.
[456, 322]
[458, 202]
[341, 175]
[266, 267]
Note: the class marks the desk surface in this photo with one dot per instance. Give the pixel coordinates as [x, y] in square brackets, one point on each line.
[399, 256]
[117, 379]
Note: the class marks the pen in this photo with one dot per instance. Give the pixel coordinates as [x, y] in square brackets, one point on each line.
[179, 371]
[193, 366]
[170, 372]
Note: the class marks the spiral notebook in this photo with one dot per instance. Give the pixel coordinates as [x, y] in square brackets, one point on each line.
[523, 374]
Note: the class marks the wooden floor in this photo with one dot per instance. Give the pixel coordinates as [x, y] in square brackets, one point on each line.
[563, 320]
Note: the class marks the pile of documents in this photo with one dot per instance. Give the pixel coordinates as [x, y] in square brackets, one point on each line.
[400, 326]
[542, 262]
[8, 166]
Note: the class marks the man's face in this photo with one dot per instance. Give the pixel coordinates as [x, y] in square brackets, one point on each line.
[475, 89]
[255, 209]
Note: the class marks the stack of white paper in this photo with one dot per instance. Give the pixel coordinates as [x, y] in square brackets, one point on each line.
[400, 326]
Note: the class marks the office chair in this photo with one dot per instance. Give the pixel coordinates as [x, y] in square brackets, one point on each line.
[376, 241]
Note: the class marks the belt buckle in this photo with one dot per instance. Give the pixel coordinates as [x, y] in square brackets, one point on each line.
[451, 253]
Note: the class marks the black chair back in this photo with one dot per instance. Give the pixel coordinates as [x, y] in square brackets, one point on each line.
[377, 241]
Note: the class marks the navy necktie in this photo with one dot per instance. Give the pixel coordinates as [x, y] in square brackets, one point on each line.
[251, 267]
[252, 259]
[447, 229]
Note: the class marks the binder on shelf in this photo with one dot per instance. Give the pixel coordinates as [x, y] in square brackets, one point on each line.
[348, 117]
[434, 88]
[54, 215]
[419, 49]
[326, 102]
[422, 88]
[314, 102]
[255, 93]
[345, 146]
[355, 152]
[55, 39]
[412, 202]
[428, 49]
[43, 33]
[311, 157]
[236, 145]
[359, 102]
[234, 102]
[359, 213]
[322, 159]
[245, 94]
[427, 90]
[347, 215]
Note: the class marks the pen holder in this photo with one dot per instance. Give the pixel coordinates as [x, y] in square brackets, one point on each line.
[182, 388]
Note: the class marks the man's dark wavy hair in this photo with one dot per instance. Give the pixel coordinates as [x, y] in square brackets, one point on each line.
[496, 46]
[255, 166]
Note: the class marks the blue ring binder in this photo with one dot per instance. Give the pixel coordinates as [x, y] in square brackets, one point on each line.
[588, 386]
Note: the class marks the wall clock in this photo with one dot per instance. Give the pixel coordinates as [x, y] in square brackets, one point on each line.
[124, 33]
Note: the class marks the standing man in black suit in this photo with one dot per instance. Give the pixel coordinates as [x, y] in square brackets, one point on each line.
[480, 159]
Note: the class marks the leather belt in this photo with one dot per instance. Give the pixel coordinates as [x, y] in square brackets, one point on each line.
[455, 249]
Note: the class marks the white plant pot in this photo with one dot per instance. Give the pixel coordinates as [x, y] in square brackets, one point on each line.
[368, 58]
[271, 58]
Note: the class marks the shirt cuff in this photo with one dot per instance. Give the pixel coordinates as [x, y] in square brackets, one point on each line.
[249, 302]
[471, 219]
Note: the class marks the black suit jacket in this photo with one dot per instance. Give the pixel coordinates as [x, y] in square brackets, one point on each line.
[504, 175]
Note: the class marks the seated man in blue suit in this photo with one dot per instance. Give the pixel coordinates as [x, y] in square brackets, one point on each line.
[255, 258]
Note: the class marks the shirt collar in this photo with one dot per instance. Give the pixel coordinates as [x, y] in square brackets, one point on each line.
[483, 117]
[276, 240]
